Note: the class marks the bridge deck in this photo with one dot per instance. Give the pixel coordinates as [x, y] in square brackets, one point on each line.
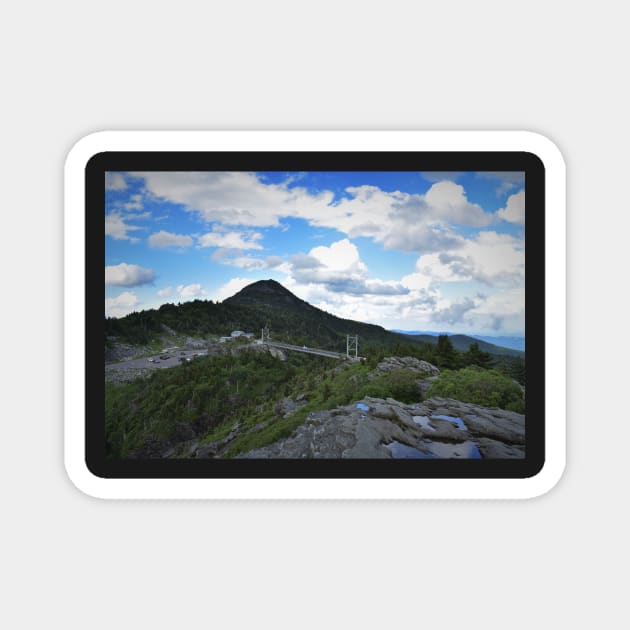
[307, 350]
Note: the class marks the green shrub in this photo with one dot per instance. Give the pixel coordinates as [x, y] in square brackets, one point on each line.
[473, 384]
[399, 384]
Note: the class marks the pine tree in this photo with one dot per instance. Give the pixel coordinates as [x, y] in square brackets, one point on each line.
[445, 354]
[475, 356]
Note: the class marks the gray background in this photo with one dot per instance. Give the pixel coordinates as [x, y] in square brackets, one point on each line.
[71, 68]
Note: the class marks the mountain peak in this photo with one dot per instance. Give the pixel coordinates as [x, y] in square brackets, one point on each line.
[264, 285]
[265, 292]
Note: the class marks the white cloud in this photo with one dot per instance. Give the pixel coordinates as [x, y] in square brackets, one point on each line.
[490, 258]
[121, 305]
[168, 239]
[191, 291]
[114, 181]
[502, 311]
[454, 313]
[338, 266]
[413, 235]
[447, 201]
[514, 210]
[230, 240]
[134, 204]
[232, 257]
[498, 258]
[124, 275]
[339, 269]
[340, 256]
[396, 219]
[233, 198]
[136, 216]
[116, 227]
[335, 279]
[246, 262]
[429, 271]
[403, 221]
[165, 292]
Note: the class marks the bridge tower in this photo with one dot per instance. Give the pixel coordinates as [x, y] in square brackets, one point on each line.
[264, 334]
[352, 345]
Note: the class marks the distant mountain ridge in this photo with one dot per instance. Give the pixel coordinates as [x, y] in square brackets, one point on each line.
[268, 303]
[260, 304]
[513, 342]
[462, 342]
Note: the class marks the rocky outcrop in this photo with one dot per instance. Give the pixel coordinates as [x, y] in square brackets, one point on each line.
[287, 406]
[191, 448]
[427, 372]
[276, 353]
[377, 428]
[389, 364]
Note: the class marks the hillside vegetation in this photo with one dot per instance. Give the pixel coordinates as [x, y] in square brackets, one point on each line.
[245, 398]
[210, 396]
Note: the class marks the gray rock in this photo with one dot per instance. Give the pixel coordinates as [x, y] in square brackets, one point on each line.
[207, 451]
[503, 426]
[446, 430]
[381, 410]
[492, 449]
[424, 385]
[287, 407]
[348, 432]
[276, 353]
[390, 364]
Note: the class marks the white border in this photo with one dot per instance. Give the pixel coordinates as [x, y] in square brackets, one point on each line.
[74, 326]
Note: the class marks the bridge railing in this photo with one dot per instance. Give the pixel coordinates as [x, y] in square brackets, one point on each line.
[308, 350]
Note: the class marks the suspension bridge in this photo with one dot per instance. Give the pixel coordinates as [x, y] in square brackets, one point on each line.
[352, 347]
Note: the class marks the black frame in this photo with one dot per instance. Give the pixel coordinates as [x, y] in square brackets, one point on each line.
[316, 161]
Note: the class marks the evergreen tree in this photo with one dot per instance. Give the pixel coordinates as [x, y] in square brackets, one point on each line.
[475, 356]
[445, 354]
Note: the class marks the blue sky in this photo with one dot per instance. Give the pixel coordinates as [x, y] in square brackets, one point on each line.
[406, 250]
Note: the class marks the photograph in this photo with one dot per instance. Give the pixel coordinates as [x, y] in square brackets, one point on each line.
[314, 315]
